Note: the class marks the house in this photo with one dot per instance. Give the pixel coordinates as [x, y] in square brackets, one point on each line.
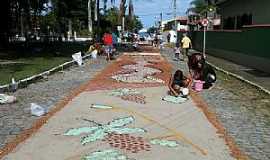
[243, 34]
[181, 22]
[238, 13]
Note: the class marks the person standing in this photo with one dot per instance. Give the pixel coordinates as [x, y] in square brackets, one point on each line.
[169, 38]
[177, 52]
[186, 44]
[108, 42]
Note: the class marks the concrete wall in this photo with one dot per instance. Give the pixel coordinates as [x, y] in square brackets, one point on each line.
[258, 8]
[250, 47]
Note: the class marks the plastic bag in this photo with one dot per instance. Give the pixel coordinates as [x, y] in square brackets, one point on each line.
[78, 58]
[94, 54]
[4, 99]
[37, 110]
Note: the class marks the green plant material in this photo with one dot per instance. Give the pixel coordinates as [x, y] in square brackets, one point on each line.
[126, 130]
[120, 122]
[106, 155]
[100, 106]
[78, 131]
[97, 133]
[173, 99]
[165, 143]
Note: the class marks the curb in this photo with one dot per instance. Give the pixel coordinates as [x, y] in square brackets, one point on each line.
[240, 78]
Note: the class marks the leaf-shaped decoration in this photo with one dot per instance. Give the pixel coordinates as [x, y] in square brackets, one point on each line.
[106, 155]
[166, 143]
[97, 135]
[126, 130]
[100, 106]
[120, 122]
[79, 131]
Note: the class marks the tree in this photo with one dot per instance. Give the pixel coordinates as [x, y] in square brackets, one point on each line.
[130, 10]
[201, 7]
[133, 24]
[122, 9]
[152, 30]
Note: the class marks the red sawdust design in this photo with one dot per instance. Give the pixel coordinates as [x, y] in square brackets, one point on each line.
[127, 142]
[103, 81]
[137, 98]
[212, 118]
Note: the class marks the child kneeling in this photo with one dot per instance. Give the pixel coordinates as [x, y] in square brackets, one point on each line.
[179, 84]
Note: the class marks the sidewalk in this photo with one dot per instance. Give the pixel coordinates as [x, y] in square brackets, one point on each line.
[104, 123]
[250, 74]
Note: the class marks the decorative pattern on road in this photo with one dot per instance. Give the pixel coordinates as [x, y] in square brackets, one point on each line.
[129, 95]
[100, 131]
[137, 73]
[127, 142]
[106, 155]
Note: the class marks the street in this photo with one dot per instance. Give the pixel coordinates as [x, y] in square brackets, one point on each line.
[185, 124]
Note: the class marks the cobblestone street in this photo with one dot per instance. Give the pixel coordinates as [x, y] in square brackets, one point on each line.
[242, 109]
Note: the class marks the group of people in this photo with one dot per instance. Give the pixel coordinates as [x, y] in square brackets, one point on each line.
[199, 70]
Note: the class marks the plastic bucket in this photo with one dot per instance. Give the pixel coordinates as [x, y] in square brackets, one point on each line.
[198, 85]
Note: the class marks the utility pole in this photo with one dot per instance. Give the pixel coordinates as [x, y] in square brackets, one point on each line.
[174, 12]
[161, 19]
[123, 24]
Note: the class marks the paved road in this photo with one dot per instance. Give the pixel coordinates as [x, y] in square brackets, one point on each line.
[138, 125]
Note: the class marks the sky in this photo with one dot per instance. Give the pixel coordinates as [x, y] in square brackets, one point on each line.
[149, 10]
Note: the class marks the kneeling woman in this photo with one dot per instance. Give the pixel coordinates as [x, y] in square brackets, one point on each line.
[179, 84]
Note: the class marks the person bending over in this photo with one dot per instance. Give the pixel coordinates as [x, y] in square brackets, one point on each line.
[179, 84]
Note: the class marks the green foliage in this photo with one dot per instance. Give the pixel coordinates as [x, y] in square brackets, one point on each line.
[152, 30]
[133, 24]
[112, 16]
[201, 7]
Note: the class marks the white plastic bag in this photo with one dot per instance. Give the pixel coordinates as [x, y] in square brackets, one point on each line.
[94, 54]
[37, 110]
[78, 58]
[4, 99]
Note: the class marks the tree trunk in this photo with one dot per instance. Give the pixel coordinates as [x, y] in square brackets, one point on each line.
[90, 22]
[122, 10]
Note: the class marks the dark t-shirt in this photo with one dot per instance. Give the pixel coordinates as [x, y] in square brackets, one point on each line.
[178, 81]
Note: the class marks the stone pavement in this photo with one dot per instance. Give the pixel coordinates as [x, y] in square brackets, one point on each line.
[98, 124]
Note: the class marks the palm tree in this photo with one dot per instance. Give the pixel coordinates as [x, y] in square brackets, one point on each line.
[201, 7]
[130, 10]
[122, 9]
